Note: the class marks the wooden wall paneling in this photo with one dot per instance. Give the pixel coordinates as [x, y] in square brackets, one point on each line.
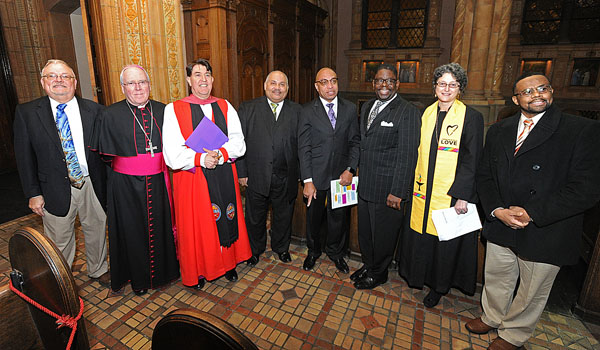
[252, 52]
[8, 102]
[308, 64]
[234, 77]
[284, 37]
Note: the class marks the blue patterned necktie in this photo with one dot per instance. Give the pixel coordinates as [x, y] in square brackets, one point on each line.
[331, 115]
[66, 140]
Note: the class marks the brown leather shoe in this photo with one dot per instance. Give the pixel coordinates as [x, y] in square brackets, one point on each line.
[501, 344]
[477, 326]
[104, 279]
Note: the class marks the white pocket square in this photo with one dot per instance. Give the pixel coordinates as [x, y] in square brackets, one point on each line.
[384, 123]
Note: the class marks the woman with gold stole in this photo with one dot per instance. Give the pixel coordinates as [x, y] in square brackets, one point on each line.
[450, 148]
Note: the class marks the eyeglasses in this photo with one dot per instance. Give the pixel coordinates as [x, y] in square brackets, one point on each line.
[542, 89]
[324, 82]
[53, 76]
[388, 82]
[136, 83]
[452, 85]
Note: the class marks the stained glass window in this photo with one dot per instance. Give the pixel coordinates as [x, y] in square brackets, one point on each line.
[585, 21]
[554, 21]
[394, 23]
[541, 21]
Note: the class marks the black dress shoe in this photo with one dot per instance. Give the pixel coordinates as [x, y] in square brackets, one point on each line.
[231, 275]
[140, 292]
[309, 262]
[285, 257]
[432, 299]
[341, 265]
[359, 274]
[253, 260]
[199, 286]
[369, 282]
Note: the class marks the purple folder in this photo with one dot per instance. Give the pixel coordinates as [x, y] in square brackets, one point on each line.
[206, 135]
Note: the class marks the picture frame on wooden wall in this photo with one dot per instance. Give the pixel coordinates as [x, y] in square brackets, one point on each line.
[536, 65]
[408, 71]
[370, 69]
[585, 72]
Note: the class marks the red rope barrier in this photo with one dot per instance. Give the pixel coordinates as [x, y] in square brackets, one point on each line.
[61, 320]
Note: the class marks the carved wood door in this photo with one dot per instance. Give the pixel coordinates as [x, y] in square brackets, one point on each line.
[8, 102]
[252, 58]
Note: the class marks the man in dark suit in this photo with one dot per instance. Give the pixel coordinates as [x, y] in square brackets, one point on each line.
[328, 141]
[60, 175]
[269, 168]
[538, 175]
[390, 132]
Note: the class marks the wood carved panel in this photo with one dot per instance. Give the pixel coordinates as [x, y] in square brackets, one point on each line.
[284, 38]
[252, 49]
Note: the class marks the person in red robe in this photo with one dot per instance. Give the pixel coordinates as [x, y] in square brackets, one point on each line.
[212, 237]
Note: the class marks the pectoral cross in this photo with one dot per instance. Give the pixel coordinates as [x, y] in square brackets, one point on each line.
[151, 148]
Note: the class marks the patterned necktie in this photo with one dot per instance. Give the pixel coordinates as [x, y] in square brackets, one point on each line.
[274, 108]
[331, 115]
[523, 135]
[374, 113]
[66, 140]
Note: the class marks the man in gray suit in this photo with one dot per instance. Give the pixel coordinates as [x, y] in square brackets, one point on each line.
[328, 141]
[390, 132]
[269, 168]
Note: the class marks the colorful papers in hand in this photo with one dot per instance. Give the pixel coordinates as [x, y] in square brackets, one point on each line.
[206, 135]
[342, 196]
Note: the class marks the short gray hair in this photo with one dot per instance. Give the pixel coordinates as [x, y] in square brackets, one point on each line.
[56, 61]
[132, 66]
[278, 71]
[457, 72]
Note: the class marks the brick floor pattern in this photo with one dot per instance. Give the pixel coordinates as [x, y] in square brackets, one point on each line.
[281, 306]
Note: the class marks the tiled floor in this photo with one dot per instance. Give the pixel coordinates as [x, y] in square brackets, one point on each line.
[281, 306]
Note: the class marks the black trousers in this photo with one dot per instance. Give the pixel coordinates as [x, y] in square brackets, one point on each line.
[257, 207]
[378, 228]
[336, 230]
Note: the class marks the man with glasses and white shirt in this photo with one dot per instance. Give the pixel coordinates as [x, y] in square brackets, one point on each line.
[328, 148]
[538, 175]
[61, 177]
[140, 226]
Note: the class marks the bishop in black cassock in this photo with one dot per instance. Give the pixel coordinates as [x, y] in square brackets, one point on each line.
[140, 227]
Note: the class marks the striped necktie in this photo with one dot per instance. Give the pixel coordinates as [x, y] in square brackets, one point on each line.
[528, 123]
[331, 115]
[274, 108]
[66, 140]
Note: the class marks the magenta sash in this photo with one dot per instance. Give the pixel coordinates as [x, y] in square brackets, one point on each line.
[145, 165]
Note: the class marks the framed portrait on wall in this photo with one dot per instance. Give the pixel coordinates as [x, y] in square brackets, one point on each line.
[585, 72]
[408, 71]
[370, 69]
[536, 65]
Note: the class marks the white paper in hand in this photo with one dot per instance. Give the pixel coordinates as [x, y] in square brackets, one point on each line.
[450, 225]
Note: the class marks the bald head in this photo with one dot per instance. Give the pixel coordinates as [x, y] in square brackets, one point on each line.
[326, 84]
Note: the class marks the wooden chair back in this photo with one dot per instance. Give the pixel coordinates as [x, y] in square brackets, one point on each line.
[41, 273]
[195, 330]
